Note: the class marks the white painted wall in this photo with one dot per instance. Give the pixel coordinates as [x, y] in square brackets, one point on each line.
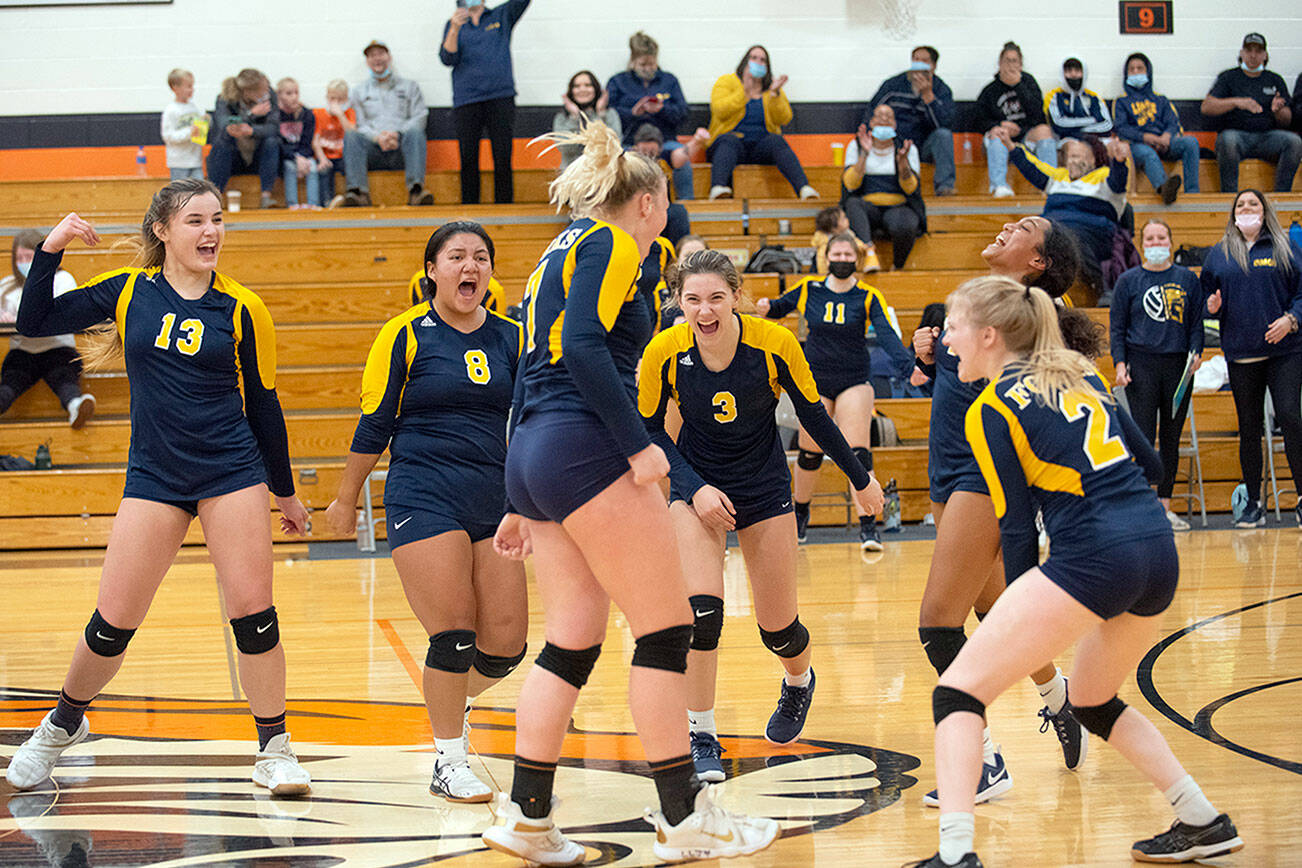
[65, 60]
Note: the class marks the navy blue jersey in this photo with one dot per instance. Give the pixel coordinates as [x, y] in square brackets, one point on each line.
[948, 453]
[192, 433]
[729, 437]
[1072, 460]
[1156, 312]
[1252, 299]
[838, 322]
[651, 283]
[438, 399]
[585, 328]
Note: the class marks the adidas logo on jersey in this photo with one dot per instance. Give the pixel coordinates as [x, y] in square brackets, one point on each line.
[427, 321]
[685, 360]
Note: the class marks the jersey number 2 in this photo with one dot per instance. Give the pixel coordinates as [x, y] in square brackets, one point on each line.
[188, 345]
[477, 367]
[1102, 449]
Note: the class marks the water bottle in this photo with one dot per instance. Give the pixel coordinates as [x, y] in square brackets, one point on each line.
[141, 169]
[43, 457]
[891, 513]
[967, 151]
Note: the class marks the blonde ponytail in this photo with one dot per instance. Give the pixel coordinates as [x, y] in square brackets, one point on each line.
[604, 177]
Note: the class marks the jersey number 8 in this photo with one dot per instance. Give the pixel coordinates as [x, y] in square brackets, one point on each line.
[188, 345]
[1101, 448]
[477, 367]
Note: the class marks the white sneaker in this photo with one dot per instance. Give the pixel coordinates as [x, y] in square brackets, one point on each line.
[465, 732]
[277, 769]
[1177, 523]
[454, 781]
[710, 832]
[718, 191]
[80, 409]
[1003, 191]
[808, 192]
[36, 758]
[537, 842]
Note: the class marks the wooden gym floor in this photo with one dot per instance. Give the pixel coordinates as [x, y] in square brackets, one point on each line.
[165, 780]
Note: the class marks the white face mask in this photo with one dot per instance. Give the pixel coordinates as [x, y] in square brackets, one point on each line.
[24, 268]
[1247, 221]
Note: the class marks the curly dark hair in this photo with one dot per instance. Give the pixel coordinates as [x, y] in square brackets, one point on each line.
[1061, 250]
[1080, 333]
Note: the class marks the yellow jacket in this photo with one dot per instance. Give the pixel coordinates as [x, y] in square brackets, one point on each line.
[728, 107]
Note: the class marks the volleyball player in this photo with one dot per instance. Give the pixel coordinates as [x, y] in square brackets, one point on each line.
[839, 309]
[193, 339]
[581, 480]
[1047, 436]
[728, 472]
[651, 281]
[965, 572]
[418, 289]
[436, 393]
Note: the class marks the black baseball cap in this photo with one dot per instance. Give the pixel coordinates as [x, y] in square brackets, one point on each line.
[1254, 39]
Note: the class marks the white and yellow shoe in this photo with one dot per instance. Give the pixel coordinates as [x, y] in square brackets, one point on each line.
[277, 769]
[538, 842]
[36, 758]
[710, 832]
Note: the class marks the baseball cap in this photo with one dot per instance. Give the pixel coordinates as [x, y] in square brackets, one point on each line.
[374, 43]
[1254, 39]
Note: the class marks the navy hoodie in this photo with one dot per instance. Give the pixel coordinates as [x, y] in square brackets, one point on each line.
[1142, 110]
[1251, 300]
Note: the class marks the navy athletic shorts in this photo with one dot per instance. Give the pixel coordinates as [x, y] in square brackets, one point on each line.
[558, 461]
[1136, 575]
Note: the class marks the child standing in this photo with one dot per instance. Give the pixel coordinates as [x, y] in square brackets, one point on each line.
[332, 122]
[184, 128]
[297, 129]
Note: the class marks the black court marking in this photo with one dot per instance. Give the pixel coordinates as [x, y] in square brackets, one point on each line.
[1201, 725]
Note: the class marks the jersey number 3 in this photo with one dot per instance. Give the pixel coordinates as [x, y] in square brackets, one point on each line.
[725, 406]
[187, 345]
[1102, 449]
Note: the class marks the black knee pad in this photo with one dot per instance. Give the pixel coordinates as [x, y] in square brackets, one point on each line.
[664, 649]
[257, 633]
[492, 666]
[790, 641]
[707, 610]
[104, 639]
[451, 651]
[807, 460]
[865, 457]
[573, 666]
[946, 700]
[1099, 719]
[942, 645]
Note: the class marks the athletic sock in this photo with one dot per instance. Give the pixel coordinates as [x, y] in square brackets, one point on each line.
[1054, 691]
[69, 712]
[531, 787]
[677, 785]
[450, 749]
[987, 749]
[1191, 806]
[957, 830]
[801, 680]
[701, 721]
[269, 728]
[802, 509]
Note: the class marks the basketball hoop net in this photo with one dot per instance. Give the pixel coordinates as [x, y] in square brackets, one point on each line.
[900, 17]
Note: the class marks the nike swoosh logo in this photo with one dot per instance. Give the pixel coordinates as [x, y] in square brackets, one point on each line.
[785, 505]
[724, 838]
[397, 525]
[783, 645]
[105, 638]
[706, 612]
[464, 647]
[265, 627]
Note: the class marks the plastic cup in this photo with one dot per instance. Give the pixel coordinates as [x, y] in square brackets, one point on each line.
[838, 153]
[233, 198]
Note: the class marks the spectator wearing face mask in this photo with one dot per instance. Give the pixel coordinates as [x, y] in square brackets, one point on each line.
[1074, 111]
[390, 132]
[1250, 104]
[1149, 122]
[583, 102]
[646, 94]
[1013, 103]
[924, 113]
[880, 192]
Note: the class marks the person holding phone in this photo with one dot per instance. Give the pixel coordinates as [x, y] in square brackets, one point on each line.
[245, 133]
[924, 113]
[646, 94]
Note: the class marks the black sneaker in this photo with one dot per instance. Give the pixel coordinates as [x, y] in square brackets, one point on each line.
[802, 527]
[1071, 735]
[418, 195]
[1169, 190]
[1254, 515]
[995, 781]
[706, 753]
[870, 538]
[969, 860]
[789, 717]
[1184, 843]
[357, 199]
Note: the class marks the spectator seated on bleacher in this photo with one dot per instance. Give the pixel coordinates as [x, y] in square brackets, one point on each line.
[648, 141]
[1250, 104]
[1073, 111]
[747, 111]
[1012, 103]
[1149, 122]
[829, 223]
[245, 133]
[646, 94]
[880, 187]
[390, 133]
[924, 114]
[584, 101]
[1086, 193]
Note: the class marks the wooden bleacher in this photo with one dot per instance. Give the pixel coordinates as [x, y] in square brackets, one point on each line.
[331, 278]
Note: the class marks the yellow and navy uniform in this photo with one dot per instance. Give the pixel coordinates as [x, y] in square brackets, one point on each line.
[838, 330]
[438, 399]
[492, 299]
[951, 466]
[651, 282]
[729, 437]
[574, 410]
[1074, 460]
[192, 433]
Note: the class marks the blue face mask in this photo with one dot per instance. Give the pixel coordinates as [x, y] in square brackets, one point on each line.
[1137, 81]
[381, 76]
[883, 134]
[1243, 66]
[1157, 255]
[24, 267]
[757, 69]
